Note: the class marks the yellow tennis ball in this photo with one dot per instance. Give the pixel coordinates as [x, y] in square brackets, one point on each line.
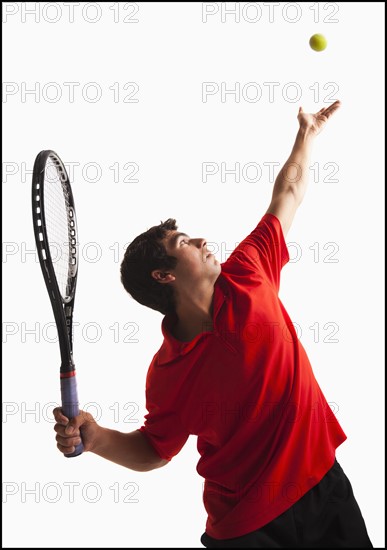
[318, 42]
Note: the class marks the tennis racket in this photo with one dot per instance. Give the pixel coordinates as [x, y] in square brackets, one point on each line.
[55, 229]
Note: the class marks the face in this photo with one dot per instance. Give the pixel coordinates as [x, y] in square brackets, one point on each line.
[194, 260]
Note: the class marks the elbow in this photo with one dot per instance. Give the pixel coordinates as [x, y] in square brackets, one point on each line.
[147, 466]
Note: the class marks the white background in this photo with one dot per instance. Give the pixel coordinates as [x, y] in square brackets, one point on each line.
[169, 131]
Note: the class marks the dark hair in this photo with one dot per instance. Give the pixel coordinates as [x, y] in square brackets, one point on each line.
[144, 254]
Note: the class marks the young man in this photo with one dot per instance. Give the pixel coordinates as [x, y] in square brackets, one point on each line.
[232, 371]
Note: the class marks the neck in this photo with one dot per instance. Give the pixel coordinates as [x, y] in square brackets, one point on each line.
[194, 312]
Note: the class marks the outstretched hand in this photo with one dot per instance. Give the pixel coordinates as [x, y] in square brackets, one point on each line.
[314, 123]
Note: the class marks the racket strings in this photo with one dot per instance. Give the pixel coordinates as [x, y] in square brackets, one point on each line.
[60, 226]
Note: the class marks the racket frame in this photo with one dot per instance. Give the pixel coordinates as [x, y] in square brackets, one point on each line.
[62, 307]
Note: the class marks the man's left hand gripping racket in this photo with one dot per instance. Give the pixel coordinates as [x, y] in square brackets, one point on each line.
[55, 229]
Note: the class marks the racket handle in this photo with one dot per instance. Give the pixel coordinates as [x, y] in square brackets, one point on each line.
[70, 405]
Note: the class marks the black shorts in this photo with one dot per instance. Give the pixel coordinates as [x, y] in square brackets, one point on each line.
[327, 516]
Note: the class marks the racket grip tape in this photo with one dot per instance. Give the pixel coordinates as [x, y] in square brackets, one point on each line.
[70, 405]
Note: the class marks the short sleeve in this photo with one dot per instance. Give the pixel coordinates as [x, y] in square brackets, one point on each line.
[162, 424]
[264, 250]
[165, 434]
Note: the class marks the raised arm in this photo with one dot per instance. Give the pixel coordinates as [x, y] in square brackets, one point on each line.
[292, 180]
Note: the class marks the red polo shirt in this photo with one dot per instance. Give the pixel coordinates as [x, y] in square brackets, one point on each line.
[266, 434]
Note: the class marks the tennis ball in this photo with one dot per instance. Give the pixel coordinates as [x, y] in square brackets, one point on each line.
[318, 42]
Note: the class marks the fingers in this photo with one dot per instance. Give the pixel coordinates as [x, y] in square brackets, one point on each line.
[327, 111]
[67, 436]
[64, 425]
[67, 446]
[73, 423]
[59, 416]
[66, 450]
[333, 107]
[67, 431]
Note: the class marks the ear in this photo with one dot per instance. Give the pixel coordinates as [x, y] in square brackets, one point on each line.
[162, 276]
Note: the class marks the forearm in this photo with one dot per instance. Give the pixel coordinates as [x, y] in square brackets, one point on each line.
[130, 450]
[294, 175]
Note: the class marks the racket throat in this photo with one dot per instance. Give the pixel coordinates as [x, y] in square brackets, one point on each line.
[67, 369]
